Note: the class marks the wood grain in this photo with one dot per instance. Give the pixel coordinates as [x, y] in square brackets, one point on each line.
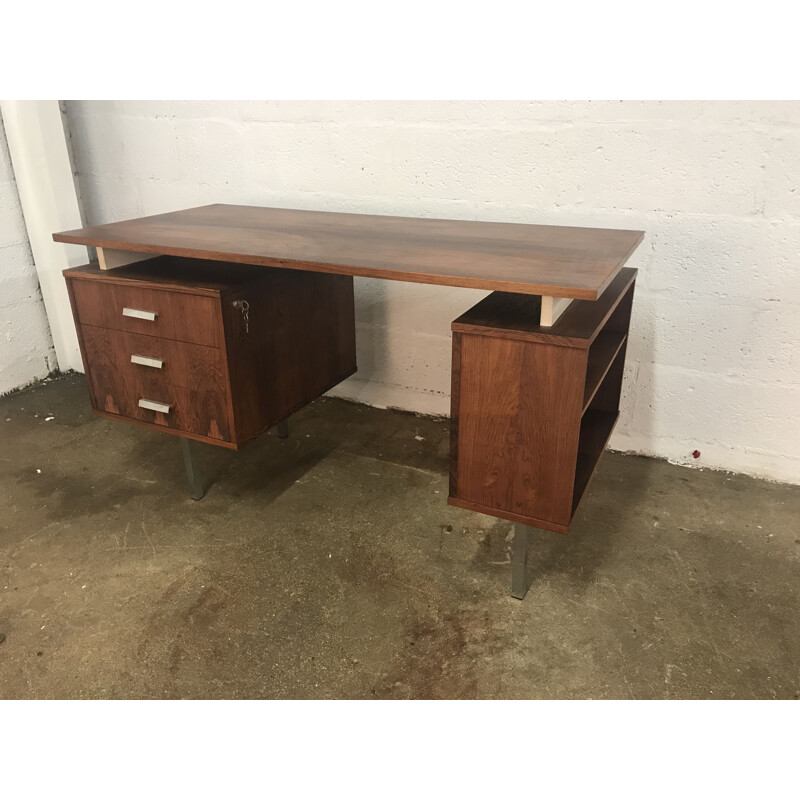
[596, 430]
[565, 262]
[518, 425]
[544, 524]
[601, 355]
[300, 344]
[226, 380]
[455, 407]
[188, 275]
[517, 316]
[192, 382]
[531, 412]
[184, 317]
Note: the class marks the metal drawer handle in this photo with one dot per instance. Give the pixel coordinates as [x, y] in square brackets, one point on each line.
[146, 361]
[152, 405]
[135, 312]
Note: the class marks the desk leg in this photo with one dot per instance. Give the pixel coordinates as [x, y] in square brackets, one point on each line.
[283, 428]
[519, 560]
[192, 473]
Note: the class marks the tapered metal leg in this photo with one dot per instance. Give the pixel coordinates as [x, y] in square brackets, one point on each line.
[283, 428]
[192, 473]
[519, 560]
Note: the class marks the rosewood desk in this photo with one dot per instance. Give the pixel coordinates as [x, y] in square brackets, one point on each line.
[216, 323]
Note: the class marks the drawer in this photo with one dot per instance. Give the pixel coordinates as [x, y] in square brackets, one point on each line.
[124, 369]
[199, 411]
[150, 311]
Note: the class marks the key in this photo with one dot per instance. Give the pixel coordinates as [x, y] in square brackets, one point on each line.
[244, 307]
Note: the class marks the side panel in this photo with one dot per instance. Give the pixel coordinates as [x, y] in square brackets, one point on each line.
[455, 394]
[300, 343]
[519, 411]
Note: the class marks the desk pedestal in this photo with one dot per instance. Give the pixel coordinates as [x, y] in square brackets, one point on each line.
[533, 407]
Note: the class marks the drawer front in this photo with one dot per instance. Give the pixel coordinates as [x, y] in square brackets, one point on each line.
[156, 380]
[153, 312]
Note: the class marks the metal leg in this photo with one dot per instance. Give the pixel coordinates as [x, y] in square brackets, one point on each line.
[283, 428]
[192, 473]
[519, 560]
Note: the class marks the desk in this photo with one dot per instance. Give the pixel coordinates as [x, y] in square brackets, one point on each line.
[216, 323]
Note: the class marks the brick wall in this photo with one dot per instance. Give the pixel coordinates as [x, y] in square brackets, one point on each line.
[713, 363]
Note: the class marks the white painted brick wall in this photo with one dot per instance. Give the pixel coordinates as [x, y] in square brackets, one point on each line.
[26, 347]
[714, 362]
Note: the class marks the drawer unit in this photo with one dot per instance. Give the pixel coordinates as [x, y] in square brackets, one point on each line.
[533, 407]
[210, 350]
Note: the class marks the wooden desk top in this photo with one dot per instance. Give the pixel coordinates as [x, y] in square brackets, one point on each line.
[526, 259]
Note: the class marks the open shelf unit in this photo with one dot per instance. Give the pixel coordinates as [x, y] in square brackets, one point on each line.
[602, 353]
[533, 407]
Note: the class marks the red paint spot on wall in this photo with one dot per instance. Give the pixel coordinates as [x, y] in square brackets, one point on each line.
[696, 454]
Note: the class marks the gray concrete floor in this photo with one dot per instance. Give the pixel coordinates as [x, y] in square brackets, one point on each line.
[329, 565]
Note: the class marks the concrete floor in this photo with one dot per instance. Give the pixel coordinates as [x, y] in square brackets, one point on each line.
[329, 565]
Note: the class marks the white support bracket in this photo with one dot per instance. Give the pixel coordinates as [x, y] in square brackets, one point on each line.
[552, 309]
[110, 259]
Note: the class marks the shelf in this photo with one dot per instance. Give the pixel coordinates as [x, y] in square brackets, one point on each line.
[516, 316]
[533, 408]
[596, 429]
[602, 353]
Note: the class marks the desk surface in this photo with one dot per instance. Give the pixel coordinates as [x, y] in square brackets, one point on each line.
[527, 259]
